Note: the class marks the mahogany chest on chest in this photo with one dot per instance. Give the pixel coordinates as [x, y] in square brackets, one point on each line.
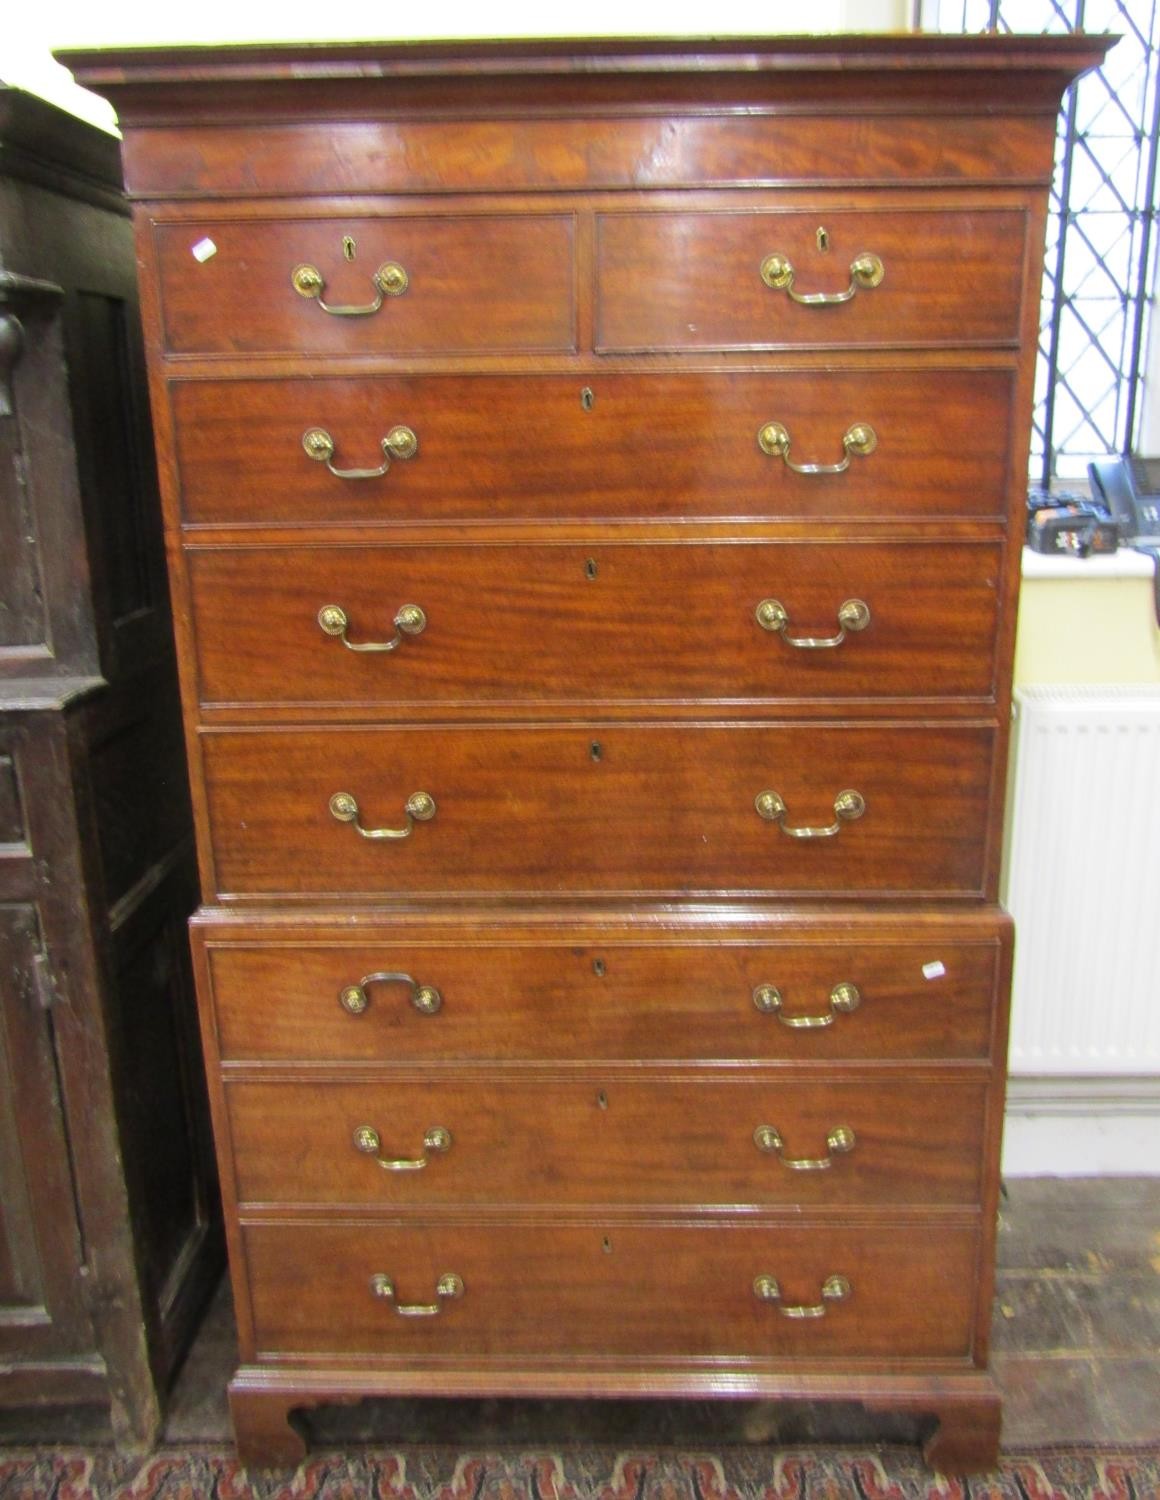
[593, 476]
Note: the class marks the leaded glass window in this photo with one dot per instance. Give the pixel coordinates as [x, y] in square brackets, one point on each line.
[1098, 286]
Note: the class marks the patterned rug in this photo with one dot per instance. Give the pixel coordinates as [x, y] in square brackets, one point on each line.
[580, 1474]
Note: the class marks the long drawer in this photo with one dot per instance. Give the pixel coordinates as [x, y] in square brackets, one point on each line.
[535, 1137]
[413, 283]
[536, 1288]
[503, 447]
[581, 624]
[402, 1000]
[728, 280]
[601, 810]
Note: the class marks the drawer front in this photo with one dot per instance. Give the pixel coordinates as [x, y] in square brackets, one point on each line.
[553, 152]
[605, 1137]
[695, 281]
[506, 624]
[545, 1289]
[634, 811]
[611, 1001]
[474, 284]
[507, 447]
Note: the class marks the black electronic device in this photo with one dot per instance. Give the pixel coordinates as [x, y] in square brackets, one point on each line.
[1130, 488]
[1069, 525]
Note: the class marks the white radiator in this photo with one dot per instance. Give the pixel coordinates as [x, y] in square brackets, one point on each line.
[1082, 880]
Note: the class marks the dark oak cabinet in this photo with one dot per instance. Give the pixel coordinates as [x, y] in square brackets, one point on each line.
[109, 1225]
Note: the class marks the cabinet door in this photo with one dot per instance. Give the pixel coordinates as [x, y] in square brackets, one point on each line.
[42, 1312]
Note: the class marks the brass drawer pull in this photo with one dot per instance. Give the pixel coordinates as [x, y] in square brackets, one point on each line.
[834, 1289]
[773, 616]
[419, 808]
[354, 998]
[866, 272]
[859, 438]
[840, 1140]
[400, 442]
[844, 997]
[410, 620]
[390, 280]
[448, 1286]
[848, 805]
[367, 1140]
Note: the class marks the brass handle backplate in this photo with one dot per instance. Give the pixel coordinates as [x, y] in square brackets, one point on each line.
[370, 1143]
[419, 808]
[844, 998]
[769, 1139]
[390, 280]
[410, 620]
[400, 442]
[834, 1289]
[866, 272]
[448, 1287]
[354, 998]
[848, 806]
[859, 439]
[773, 616]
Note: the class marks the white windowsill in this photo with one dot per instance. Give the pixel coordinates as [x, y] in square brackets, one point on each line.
[1122, 564]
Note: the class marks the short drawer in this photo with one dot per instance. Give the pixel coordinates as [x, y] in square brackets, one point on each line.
[443, 296]
[606, 810]
[510, 447]
[732, 622]
[404, 999]
[896, 278]
[533, 1138]
[541, 1288]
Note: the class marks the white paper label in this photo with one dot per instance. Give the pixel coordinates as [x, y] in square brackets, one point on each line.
[934, 970]
[203, 250]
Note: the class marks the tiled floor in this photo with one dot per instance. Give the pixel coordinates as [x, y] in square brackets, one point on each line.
[1076, 1351]
[1077, 1311]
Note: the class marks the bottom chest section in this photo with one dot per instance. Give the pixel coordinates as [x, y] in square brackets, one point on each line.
[608, 1140]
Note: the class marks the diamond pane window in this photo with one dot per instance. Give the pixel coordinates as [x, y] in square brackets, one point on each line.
[1101, 241]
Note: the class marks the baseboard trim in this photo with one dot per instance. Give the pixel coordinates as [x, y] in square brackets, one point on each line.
[1081, 1126]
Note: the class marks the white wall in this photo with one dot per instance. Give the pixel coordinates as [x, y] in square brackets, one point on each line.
[32, 31]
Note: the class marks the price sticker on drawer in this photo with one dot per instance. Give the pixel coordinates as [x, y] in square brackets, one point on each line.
[934, 970]
[203, 250]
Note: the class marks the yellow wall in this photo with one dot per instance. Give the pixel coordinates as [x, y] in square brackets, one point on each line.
[1088, 627]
